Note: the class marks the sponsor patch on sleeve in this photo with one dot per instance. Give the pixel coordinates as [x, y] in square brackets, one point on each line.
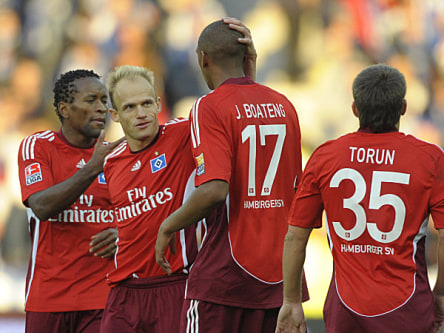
[158, 163]
[33, 174]
[200, 165]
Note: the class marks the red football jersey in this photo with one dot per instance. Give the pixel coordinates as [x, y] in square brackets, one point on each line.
[63, 275]
[377, 191]
[247, 135]
[145, 188]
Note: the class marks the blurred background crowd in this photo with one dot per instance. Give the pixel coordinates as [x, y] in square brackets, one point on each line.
[310, 50]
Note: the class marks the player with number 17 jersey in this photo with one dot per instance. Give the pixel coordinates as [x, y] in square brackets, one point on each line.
[379, 190]
[250, 138]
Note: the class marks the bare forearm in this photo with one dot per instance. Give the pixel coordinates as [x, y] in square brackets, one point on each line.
[199, 205]
[55, 199]
[293, 262]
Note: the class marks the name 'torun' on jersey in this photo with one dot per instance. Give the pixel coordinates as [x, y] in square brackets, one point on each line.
[141, 203]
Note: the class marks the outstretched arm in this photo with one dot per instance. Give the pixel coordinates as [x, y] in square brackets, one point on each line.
[201, 202]
[291, 315]
[250, 55]
[54, 199]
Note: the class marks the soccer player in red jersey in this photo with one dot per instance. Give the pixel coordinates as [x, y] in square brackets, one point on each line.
[246, 145]
[377, 187]
[70, 217]
[149, 176]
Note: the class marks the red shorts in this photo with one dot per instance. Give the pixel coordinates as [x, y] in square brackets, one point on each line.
[145, 305]
[69, 322]
[201, 316]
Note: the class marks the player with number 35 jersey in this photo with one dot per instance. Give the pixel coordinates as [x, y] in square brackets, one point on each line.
[378, 187]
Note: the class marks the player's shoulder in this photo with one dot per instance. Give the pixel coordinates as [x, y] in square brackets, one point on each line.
[118, 152]
[179, 122]
[41, 136]
[424, 146]
[36, 142]
[179, 127]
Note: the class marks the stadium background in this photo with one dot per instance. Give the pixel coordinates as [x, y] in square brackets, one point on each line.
[308, 49]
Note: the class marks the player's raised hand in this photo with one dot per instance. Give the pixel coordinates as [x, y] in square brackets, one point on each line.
[165, 239]
[291, 319]
[250, 54]
[101, 150]
[103, 244]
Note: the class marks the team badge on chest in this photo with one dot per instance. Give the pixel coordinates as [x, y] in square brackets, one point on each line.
[158, 163]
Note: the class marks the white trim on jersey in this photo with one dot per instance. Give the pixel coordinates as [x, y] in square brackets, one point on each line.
[175, 121]
[35, 244]
[195, 132]
[29, 144]
[189, 188]
[117, 151]
[193, 317]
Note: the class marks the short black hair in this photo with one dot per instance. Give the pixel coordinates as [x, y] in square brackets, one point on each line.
[64, 88]
[221, 43]
[379, 92]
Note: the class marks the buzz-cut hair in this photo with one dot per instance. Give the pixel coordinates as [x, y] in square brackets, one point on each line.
[221, 43]
[65, 88]
[127, 72]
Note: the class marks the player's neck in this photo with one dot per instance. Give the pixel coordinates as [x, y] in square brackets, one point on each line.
[77, 139]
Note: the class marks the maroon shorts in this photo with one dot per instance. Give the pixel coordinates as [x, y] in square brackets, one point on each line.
[69, 322]
[417, 315]
[201, 316]
[145, 305]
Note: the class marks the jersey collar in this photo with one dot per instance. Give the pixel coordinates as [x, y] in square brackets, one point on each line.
[243, 81]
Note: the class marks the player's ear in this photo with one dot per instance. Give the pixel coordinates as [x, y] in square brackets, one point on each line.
[404, 107]
[158, 105]
[204, 57]
[355, 110]
[63, 110]
[114, 115]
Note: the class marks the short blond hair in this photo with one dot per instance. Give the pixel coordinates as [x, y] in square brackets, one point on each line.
[127, 72]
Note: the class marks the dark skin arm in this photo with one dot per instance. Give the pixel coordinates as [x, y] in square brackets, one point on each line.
[56, 198]
[200, 204]
[103, 244]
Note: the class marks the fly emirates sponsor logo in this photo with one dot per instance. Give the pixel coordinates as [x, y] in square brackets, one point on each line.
[141, 202]
[263, 110]
[81, 212]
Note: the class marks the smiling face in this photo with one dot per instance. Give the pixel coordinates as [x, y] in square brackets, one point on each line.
[85, 116]
[137, 111]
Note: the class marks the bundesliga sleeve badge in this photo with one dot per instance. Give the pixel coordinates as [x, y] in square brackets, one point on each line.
[33, 174]
[200, 164]
[158, 163]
